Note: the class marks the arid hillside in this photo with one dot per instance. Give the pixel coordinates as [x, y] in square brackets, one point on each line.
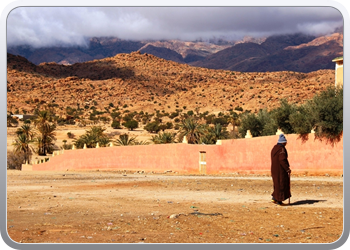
[144, 82]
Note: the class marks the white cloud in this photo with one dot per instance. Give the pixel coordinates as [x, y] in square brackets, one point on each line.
[45, 26]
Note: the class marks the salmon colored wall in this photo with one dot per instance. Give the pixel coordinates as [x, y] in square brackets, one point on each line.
[240, 155]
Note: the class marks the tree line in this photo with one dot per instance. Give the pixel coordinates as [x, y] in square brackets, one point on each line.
[323, 114]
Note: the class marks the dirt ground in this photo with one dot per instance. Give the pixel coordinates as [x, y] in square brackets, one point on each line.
[115, 207]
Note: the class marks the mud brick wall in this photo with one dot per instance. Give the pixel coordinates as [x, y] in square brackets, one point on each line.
[233, 156]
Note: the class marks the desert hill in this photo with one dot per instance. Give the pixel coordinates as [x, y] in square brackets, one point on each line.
[144, 82]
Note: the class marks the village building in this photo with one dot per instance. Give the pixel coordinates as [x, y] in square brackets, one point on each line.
[23, 117]
[338, 71]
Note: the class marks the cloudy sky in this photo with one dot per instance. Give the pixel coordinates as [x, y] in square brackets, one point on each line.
[47, 26]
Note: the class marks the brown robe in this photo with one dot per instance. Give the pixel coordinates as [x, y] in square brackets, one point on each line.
[279, 173]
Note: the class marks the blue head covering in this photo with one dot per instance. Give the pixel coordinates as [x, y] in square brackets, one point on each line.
[282, 139]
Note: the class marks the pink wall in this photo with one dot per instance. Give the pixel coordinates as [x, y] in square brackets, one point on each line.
[241, 155]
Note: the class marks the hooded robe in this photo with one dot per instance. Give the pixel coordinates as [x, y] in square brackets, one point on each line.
[279, 173]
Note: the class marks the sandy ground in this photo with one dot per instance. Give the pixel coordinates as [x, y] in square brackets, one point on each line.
[115, 207]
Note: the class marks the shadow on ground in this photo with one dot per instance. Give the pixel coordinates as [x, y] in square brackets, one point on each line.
[308, 202]
[212, 214]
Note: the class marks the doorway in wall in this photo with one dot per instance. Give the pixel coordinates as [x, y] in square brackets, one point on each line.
[202, 162]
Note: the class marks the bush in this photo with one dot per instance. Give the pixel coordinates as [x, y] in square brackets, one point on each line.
[190, 112]
[67, 146]
[152, 127]
[281, 116]
[327, 116]
[238, 108]
[252, 123]
[15, 160]
[221, 120]
[70, 135]
[169, 125]
[116, 124]
[131, 125]
[301, 120]
[91, 137]
[115, 115]
[269, 125]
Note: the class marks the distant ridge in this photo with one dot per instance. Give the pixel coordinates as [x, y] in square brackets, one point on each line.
[296, 52]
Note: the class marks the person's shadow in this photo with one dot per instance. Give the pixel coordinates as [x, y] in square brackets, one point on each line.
[306, 202]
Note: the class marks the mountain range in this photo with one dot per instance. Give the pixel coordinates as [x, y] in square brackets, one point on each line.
[296, 52]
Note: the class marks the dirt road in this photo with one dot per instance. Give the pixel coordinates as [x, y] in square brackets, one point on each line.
[114, 207]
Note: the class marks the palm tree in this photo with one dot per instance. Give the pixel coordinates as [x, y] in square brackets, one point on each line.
[212, 134]
[46, 138]
[43, 117]
[220, 132]
[192, 129]
[141, 142]
[125, 140]
[46, 128]
[163, 138]
[21, 144]
[27, 130]
[92, 137]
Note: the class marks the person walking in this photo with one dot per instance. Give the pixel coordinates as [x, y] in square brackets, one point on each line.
[280, 171]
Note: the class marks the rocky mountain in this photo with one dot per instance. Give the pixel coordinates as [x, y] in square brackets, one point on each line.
[102, 47]
[136, 81]
[98, 48]
[192, 51]
[278, 53]
[295, 52]
[162, 52]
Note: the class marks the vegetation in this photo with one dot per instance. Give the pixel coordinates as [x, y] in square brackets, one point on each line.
[192, 129]
[21, 145]
[126, 140]
[152, 127]
[11, 121]
[15, 159]
[131, 124]
[92, 137]
[213, 134]
[164, 138]
[323, 113]
[46, 129]
[116, 124]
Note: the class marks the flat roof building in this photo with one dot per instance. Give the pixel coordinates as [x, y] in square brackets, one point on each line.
[338, 71]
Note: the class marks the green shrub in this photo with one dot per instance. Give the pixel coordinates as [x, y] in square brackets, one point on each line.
[116, 124]
[327, 115]
[281, 116]
[131, 124]
[152, 127]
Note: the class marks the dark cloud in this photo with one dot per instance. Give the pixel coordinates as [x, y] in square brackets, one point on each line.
[46, 26]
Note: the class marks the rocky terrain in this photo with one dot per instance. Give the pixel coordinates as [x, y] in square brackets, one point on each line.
[144, 82]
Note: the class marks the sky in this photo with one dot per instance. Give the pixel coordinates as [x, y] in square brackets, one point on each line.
[73, 26]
